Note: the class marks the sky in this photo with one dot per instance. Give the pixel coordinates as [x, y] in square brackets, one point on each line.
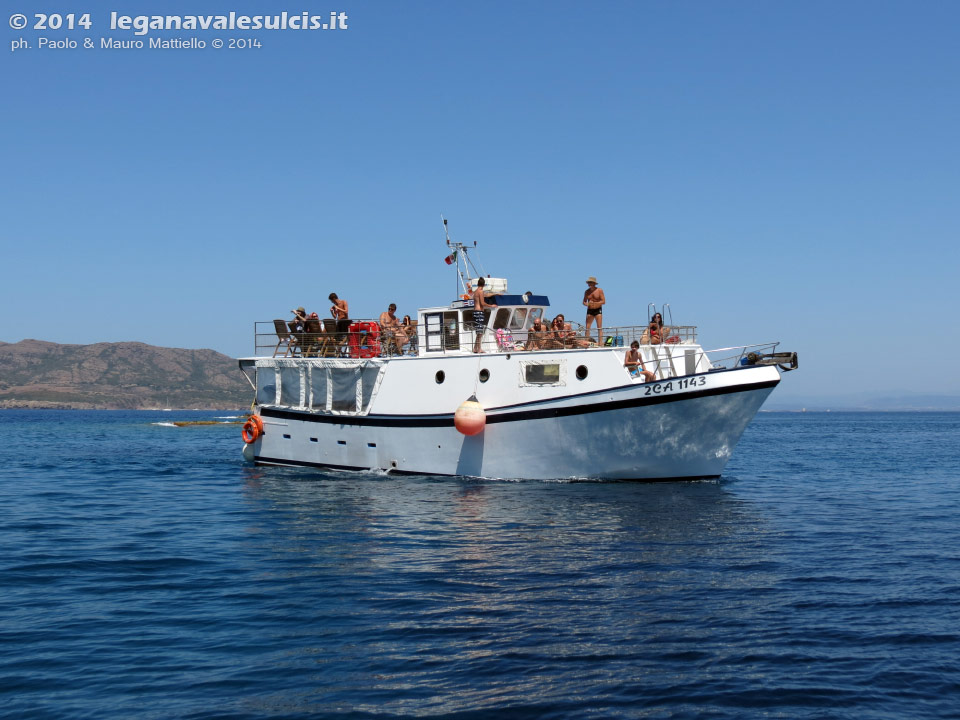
[784, 171]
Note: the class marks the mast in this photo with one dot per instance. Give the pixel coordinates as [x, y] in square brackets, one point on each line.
[461, 256]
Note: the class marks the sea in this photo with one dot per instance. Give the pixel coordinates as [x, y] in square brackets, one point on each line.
[147, 572]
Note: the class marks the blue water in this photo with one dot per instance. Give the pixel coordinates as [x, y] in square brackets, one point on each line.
[146, 572]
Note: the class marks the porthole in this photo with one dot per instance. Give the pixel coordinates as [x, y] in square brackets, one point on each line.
[484, 375]
[440, 376]
[581, 372]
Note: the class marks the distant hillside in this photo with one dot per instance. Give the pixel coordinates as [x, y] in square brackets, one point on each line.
[119, 376]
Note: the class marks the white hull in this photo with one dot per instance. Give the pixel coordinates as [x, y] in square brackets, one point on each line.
[680, 427]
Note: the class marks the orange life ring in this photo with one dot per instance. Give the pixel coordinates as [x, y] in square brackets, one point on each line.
[364, 340]
[252, 429]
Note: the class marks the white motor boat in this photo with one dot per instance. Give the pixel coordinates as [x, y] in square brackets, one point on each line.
[531, 405]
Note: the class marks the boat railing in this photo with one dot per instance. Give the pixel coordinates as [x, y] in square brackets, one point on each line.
[729, 358]
[626, 334]
[276, 339]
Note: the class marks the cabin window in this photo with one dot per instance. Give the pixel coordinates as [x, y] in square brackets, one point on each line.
[543, 374]
[434, 331]
[266, 386]
[451, 331]
[500, 321]
[468, 322]
[290, 386]
[519, 317]
[534, 372]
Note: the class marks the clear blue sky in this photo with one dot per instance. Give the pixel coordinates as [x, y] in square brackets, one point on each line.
[774, 170]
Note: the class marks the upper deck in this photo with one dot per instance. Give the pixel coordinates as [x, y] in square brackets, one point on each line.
[450, 329]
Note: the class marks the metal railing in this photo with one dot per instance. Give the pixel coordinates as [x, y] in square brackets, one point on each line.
[323, 340]
[276, 339]
[271, 341]
[733, 357]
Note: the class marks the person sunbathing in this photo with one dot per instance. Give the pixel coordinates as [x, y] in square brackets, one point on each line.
[537, 335]
[634, 363]
[393, 331]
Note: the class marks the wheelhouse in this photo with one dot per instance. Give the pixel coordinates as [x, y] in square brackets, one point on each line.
[450, 329]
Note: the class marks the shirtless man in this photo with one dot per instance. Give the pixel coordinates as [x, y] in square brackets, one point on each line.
[594, 301]
[479, 305]
[392, 330]
[536, 335]
[340, 312]
[634, 363]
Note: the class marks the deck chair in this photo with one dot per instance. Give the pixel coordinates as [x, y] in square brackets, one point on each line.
[296, 339]
[327, 340]
[341, 337]
[310, 342]
[284, 338]
[388, 342]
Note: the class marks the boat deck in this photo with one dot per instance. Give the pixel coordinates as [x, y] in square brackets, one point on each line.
[276, 339]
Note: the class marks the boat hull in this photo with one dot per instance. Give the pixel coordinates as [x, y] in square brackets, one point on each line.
[671, 429]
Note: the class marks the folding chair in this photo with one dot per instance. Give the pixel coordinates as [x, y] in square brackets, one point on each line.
[311, 338]
[296, 339]
[283, 338]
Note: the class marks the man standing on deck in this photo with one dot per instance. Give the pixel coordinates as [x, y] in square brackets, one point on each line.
[594, 299]
[479, 305]
[341, 313]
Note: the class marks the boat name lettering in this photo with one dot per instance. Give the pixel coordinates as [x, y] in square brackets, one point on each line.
[681, 384]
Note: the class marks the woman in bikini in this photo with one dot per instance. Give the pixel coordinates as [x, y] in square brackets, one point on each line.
[662, 329]
[656, 331]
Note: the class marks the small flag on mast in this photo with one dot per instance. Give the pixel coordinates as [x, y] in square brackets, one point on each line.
[449, 259]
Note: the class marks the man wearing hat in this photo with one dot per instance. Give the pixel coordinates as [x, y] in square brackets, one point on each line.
[594, 301]
[299, 319]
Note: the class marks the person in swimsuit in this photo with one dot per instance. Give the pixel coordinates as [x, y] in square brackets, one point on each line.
[634, 363]
[652, 335]
[662, 330]
[537, 335]
[340, 312]
[594, 300]
[479, 305]
[411, 331]
[299, 319]
[392, 330]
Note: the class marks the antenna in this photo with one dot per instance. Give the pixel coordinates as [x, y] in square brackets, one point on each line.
[460, 254]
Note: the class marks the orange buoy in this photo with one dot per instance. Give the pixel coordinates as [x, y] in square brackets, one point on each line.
[470, 418]
[252, 429]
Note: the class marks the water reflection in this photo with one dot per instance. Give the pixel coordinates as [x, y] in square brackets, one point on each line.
[462, 591]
